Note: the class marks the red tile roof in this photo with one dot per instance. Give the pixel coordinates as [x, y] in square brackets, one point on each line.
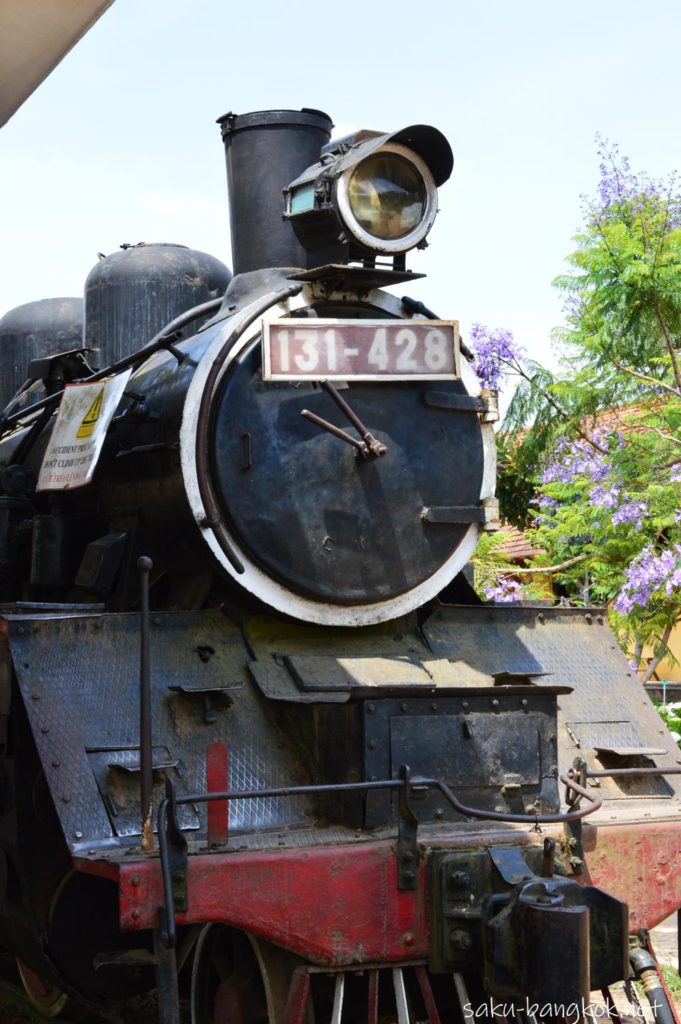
[516, 545]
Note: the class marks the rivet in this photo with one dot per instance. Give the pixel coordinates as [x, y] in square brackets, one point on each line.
[135, 881]
[523, 702]
[66, 799]
[588, 618]
[44, 729]
[408, 939]
[434, 706]
[540, 617]
[35, 696]
[494, 703]
[371, 708]
[21, 630]
[407, 858]
[439, 813]
[404, 707]
[464, 704]
[408, 876]
[56, 764]
[371, 744]
[134, 914]
[157, 621]
[78, 835]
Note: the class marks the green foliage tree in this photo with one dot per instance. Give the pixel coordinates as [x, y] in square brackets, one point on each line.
[595, 450]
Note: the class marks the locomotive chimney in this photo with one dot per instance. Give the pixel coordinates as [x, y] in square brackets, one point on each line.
[265, 151]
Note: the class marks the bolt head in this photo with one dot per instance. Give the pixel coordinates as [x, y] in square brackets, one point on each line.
[459, 879]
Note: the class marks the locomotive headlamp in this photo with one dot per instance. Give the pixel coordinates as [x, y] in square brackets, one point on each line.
[388, 201]
[370, 194]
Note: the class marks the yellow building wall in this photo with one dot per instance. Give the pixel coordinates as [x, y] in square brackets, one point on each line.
[666, 669]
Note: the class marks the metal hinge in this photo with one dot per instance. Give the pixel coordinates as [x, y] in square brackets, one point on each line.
[486, 513]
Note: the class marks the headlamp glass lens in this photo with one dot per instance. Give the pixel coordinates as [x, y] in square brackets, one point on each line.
[387, 195]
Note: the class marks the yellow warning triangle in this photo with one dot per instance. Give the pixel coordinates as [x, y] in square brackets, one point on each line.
[87, 425]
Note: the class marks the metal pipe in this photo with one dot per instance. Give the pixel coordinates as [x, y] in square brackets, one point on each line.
[145, 565]
[168, 928]
[468, 812]
[615, 772]
[548, 857]
[647, 971]
[159, 341]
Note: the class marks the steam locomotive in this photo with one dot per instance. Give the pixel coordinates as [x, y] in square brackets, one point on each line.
[266, 756]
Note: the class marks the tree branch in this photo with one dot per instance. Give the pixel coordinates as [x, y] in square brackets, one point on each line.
[669, 342]
[554, 404]
[647, 429]
[546, 569]
[643, 376]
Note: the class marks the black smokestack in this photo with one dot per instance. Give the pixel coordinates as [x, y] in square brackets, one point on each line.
[265, 151]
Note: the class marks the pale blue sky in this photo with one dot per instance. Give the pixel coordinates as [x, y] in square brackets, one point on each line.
[119, 144]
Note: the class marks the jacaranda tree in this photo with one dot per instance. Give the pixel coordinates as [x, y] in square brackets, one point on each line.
[595, 450]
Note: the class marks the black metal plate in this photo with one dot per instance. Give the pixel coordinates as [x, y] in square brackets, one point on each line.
[79, 680]
[321, 520]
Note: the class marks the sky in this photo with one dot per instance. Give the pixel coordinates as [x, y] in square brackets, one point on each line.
[119, 144]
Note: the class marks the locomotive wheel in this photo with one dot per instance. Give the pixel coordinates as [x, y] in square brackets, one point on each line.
[238, 979]
[48, 1002]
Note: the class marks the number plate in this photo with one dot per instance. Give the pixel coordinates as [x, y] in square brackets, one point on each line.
[360, 349]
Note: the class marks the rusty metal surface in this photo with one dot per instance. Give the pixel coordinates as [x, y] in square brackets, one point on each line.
[320, 921]
[637, 862]
[79, 680]
[305, 664]
[607, 708]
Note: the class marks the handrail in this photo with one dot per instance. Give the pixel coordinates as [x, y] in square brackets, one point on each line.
[405, 783]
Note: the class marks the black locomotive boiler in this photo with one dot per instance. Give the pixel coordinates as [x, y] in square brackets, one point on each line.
[266, 757]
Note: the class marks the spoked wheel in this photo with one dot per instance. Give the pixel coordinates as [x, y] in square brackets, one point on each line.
[238, 979]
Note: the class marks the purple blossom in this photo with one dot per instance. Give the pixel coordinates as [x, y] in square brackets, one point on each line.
[622, 193]
[617, 182]
[630, 512]
[650, 574]
[576, 458]
[505, 591]
[605, 496]
[494, 350]
[544, 502]
[675, 473]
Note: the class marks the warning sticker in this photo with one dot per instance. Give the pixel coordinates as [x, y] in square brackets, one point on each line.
[87, 427]
[85, 412]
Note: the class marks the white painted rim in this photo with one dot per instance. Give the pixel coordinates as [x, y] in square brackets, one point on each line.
[253, 579]
[388, 245]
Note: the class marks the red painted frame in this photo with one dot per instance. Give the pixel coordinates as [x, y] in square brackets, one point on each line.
[341, 905]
